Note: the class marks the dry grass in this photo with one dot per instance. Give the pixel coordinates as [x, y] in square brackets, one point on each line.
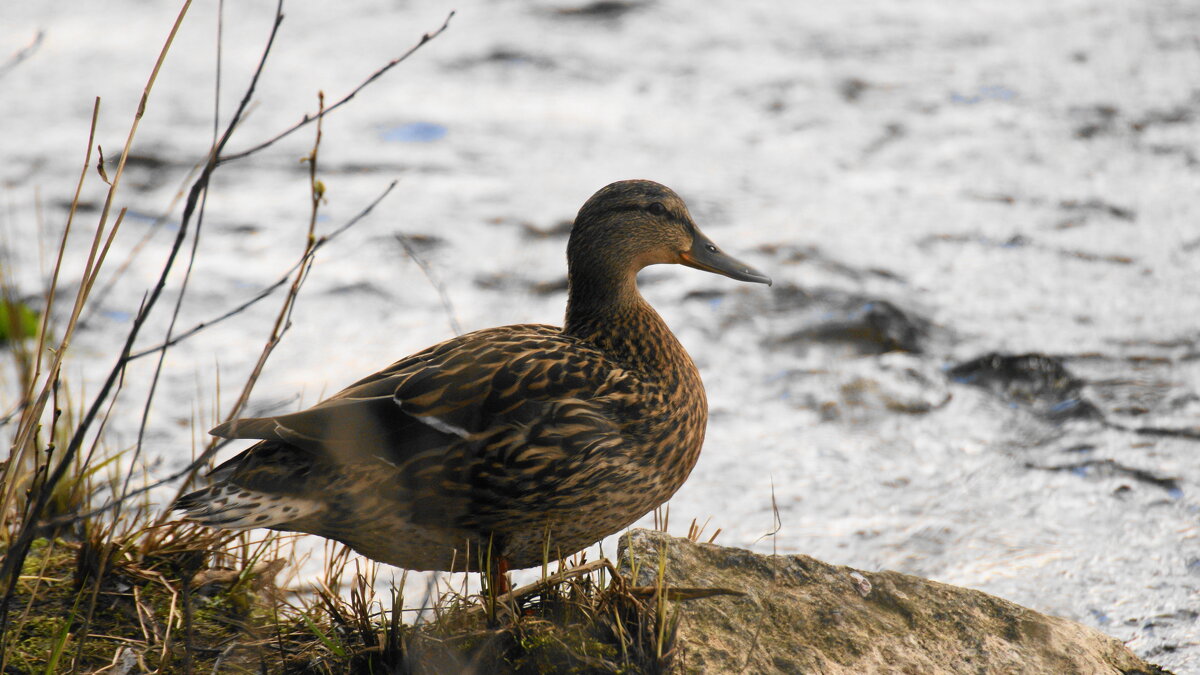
[94, 579]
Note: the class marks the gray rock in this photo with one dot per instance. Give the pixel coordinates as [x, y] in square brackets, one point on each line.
[801, 615]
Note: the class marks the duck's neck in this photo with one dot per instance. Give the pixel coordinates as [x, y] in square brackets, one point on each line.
[605, 308]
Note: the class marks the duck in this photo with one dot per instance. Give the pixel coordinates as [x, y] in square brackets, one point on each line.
[507, 447]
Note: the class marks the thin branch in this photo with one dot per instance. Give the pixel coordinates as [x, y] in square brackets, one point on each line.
[198, 188]
[99, 297]
[11, 566]
[15, 555]
[283, 321]
[217, 76]
[187, 277]
[21, 443]
[283, 279]
[196, 464]
[447, 306]
[308, 119]
[23, 53]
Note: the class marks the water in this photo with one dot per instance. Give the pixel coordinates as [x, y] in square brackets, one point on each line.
[927, 184]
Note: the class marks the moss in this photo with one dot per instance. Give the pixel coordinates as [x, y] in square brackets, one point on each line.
[126, 604]
[31, 645]
[17, 320]
[137, 602]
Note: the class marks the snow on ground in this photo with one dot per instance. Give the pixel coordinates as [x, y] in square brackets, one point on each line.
[1019, 176]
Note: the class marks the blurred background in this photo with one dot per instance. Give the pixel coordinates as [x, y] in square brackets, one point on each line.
[980, 361]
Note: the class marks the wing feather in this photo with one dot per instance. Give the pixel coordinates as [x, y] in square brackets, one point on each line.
[498, 408]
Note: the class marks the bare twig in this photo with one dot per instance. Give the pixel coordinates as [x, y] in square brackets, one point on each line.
[201, 184]
[451, 316]
[217, 77]
[200, 461]
[21, 443]
[279, 283]
[776, 521]
[32, 521]
[23, 53]
[307, 119]
[283, 320]
[11, 566]
[187, 277]
[511, 599]
[778, 524]
[98, 297]
[195, 242]
[51, 467]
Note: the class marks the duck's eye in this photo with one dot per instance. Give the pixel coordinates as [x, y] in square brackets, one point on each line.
[711, 248]
[657, 209]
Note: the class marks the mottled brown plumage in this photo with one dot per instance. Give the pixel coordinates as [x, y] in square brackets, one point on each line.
[532, 440]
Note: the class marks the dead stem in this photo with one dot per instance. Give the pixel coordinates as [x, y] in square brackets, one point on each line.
[447, 306]
[346, 99]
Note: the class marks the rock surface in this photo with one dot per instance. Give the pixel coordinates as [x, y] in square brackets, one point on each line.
[801, 615]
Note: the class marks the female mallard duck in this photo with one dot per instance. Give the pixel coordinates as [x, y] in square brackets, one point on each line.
[523, 441]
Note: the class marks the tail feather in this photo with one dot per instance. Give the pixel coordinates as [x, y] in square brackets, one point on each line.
[231, 507]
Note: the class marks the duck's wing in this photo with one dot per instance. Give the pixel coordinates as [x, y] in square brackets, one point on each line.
[364, 411]
[507, 395]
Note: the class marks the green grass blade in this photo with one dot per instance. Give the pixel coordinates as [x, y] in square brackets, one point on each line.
[329, 643]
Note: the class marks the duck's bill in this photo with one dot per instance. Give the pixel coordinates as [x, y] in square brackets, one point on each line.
[706, 256]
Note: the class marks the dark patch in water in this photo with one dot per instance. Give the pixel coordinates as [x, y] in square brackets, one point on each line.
[360, 288]
[549, 287]
[1020, 241]
[1079, 210]
[241, 228]
[1098, 206]
[82, 206]
[996, 197]
[508, 282]
[506, 56]
[869, 325]
[852, 88]
[796, 255]
[148, 162]
[142, 171]
[600, 9]
[1036, 382]
[892, 132]
[1135, 391]
[423, 243]
[1183, 151]
[1095, 120]
[877, 326]
[1107, 468]
[1100, 120]
[1180, 114]
[1193, 434]
[560, 229]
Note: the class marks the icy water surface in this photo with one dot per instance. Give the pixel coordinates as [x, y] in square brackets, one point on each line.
[979, 362]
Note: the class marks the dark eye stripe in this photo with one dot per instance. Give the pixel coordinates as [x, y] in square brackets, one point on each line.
[620, 209]
[669, 214]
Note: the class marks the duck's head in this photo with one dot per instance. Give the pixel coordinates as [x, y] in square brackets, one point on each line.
[630, 224]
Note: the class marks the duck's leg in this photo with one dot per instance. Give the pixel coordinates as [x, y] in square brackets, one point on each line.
[498, 576]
